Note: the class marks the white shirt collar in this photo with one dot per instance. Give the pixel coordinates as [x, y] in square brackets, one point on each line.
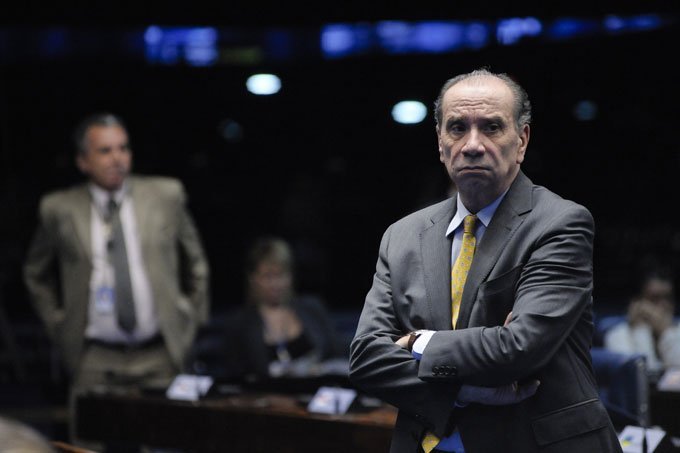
[101, 196]
[484, 215]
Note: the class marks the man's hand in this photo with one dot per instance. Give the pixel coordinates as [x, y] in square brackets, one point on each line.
[403, 341]
[492, 396]
[658, 317]
[496, 396]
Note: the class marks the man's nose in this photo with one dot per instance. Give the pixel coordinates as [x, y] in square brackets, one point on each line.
[118, 153]
[473, 144]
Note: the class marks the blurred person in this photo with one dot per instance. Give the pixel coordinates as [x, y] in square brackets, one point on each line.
[279, 332]
[479, 322]
[116, 269]
[18, 437]
[650, 328]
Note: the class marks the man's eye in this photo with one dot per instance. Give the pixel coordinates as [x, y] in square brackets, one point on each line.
[456, 128]
[493, 127]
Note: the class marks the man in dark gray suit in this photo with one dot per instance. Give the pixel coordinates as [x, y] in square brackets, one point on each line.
[470, 370]
[74, 264]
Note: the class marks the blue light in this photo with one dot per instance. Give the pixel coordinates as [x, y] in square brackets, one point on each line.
[477, 35]
[510, 31]
[430, 37]
[394, 36]
[200, 55]
[200, 46]
[197, 46]
[437, 37]
[153, 35]
[336, 39]
[568, 28]
[340, 40]
[616, 24]
[646, 22]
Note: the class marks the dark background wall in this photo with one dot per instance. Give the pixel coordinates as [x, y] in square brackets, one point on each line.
[322, 163]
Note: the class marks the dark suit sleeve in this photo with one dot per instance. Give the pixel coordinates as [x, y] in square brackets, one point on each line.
[386, 370]
[551, 298]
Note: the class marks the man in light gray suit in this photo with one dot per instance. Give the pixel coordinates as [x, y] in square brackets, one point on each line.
[469, 373]
[75, 284]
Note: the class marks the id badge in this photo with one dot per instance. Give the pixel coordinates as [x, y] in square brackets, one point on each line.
[103, 300]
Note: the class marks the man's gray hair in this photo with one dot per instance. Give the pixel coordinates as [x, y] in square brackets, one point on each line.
[104, 119]
[522, 104]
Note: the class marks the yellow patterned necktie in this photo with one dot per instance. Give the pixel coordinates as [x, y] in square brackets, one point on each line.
[459, 273]
[460, 269]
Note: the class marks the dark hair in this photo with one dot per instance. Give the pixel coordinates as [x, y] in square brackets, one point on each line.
[104, 119]
[522, 103]
[269, 249]
[659, 272]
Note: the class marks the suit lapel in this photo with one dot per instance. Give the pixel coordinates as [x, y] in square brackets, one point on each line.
[82, 210]
[506, 220]
[142, 204]
[436, 251]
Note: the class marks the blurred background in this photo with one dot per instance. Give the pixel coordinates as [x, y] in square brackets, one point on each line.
[318, 154]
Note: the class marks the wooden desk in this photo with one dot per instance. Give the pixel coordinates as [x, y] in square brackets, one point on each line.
[240, 423]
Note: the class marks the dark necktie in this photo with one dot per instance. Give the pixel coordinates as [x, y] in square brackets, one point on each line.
[125, 305]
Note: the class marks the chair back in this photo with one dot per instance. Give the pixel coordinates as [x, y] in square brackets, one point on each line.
[623, 385]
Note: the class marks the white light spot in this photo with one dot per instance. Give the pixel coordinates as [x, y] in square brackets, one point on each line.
[409, 112]
[263, 84]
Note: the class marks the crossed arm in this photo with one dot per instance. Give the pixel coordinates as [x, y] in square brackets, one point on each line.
[548, 301]
[493, 396]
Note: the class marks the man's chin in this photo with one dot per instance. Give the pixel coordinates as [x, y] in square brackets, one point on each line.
[471, 180]
[111, 185]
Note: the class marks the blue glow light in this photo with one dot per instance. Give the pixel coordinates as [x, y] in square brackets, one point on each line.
[197, 46]
[430, 37]
[569, 28]
[153, 35]
[401, 37]
[339, 40]
[477, 35]
[510, 31]
[437, 37]
[616, 24]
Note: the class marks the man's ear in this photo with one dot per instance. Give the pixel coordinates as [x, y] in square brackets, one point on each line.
[439, 145]
[523, 143]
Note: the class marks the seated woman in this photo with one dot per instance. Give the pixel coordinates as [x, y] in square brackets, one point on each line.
[277, 332]
[650, 328]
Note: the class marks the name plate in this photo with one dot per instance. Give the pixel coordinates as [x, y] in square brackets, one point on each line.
[332, 400]
[189, 387]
